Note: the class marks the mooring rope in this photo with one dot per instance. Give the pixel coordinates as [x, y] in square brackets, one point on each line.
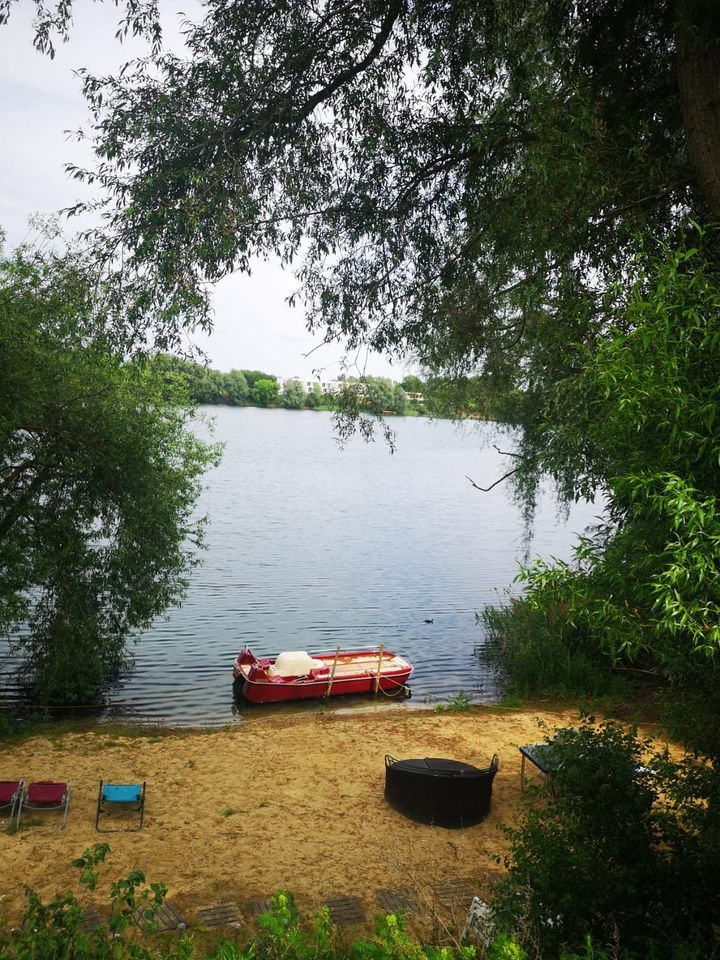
[401, 687]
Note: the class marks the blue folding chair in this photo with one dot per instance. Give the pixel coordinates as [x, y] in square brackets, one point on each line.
[120, 798]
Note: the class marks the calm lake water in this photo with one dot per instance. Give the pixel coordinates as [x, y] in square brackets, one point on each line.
[310, 546]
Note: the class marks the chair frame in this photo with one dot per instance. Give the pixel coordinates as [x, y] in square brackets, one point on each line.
[64, 805]
[104, 807]
[14, 801]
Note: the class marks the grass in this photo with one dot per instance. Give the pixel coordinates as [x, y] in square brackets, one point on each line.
[459, 703]
[25, 824]
[534, 659]
[17, 730]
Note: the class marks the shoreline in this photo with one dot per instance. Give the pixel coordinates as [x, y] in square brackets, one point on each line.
[638, 711]
[106, 718]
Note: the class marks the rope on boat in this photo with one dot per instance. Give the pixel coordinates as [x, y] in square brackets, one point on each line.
[401, 688]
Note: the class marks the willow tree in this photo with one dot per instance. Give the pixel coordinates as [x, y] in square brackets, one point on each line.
[99, 476]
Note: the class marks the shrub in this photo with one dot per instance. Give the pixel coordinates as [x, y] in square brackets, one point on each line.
[622, 849]
[506, 947]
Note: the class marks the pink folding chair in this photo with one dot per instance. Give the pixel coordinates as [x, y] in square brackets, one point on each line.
[10, 793]
[43, 796]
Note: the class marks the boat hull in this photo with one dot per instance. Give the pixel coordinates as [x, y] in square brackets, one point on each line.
[356, 674]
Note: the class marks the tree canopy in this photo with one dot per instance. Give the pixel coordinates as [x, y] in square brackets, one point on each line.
[293, 395]
[99, 476]
[460, 181]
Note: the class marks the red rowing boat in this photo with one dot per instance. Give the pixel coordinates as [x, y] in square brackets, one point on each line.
[296, 675]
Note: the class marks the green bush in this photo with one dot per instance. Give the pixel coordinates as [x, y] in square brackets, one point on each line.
[624, 848]
[506, 947]
[459, 703]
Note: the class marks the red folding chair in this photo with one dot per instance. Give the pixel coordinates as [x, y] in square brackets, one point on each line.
[44, 796]
[10, 793]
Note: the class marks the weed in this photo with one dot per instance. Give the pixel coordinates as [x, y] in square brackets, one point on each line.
[460, 703]
[24, 824]
[512, 701]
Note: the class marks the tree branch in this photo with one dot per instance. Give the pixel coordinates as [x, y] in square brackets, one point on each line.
[345, 76]
[487, 489]
[508, 453]
[438, 165]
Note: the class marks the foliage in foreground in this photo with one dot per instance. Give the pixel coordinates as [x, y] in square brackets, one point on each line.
[643, 588]
[626, 848]
[637, 422]
[620, 863]
[623, 850]
[53, 931]
[99, 475]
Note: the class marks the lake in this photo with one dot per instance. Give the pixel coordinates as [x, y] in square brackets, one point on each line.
[310, 546]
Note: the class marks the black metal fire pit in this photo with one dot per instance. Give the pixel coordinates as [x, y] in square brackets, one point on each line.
[444, 793]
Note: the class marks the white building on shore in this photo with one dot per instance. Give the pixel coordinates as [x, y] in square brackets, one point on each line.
[327, 386]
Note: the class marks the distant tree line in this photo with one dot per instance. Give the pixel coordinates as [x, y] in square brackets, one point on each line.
[413, 396]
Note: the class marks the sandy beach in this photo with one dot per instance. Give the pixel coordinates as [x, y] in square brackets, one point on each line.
[284, 803]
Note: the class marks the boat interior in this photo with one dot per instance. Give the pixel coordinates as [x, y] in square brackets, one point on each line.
[348, 663]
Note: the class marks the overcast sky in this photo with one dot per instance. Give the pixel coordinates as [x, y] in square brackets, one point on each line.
[40, 99]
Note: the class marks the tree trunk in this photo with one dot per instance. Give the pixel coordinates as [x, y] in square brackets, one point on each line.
[698, 67]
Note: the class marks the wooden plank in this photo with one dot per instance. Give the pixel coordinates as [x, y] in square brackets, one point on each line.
[398, 901]
[345, 910]
[226, 914]
[167, 917]
[456, 892]
[91, 920]
[258, 907]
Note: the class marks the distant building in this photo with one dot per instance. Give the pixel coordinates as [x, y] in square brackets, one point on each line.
[331, 386]
[327, 386]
